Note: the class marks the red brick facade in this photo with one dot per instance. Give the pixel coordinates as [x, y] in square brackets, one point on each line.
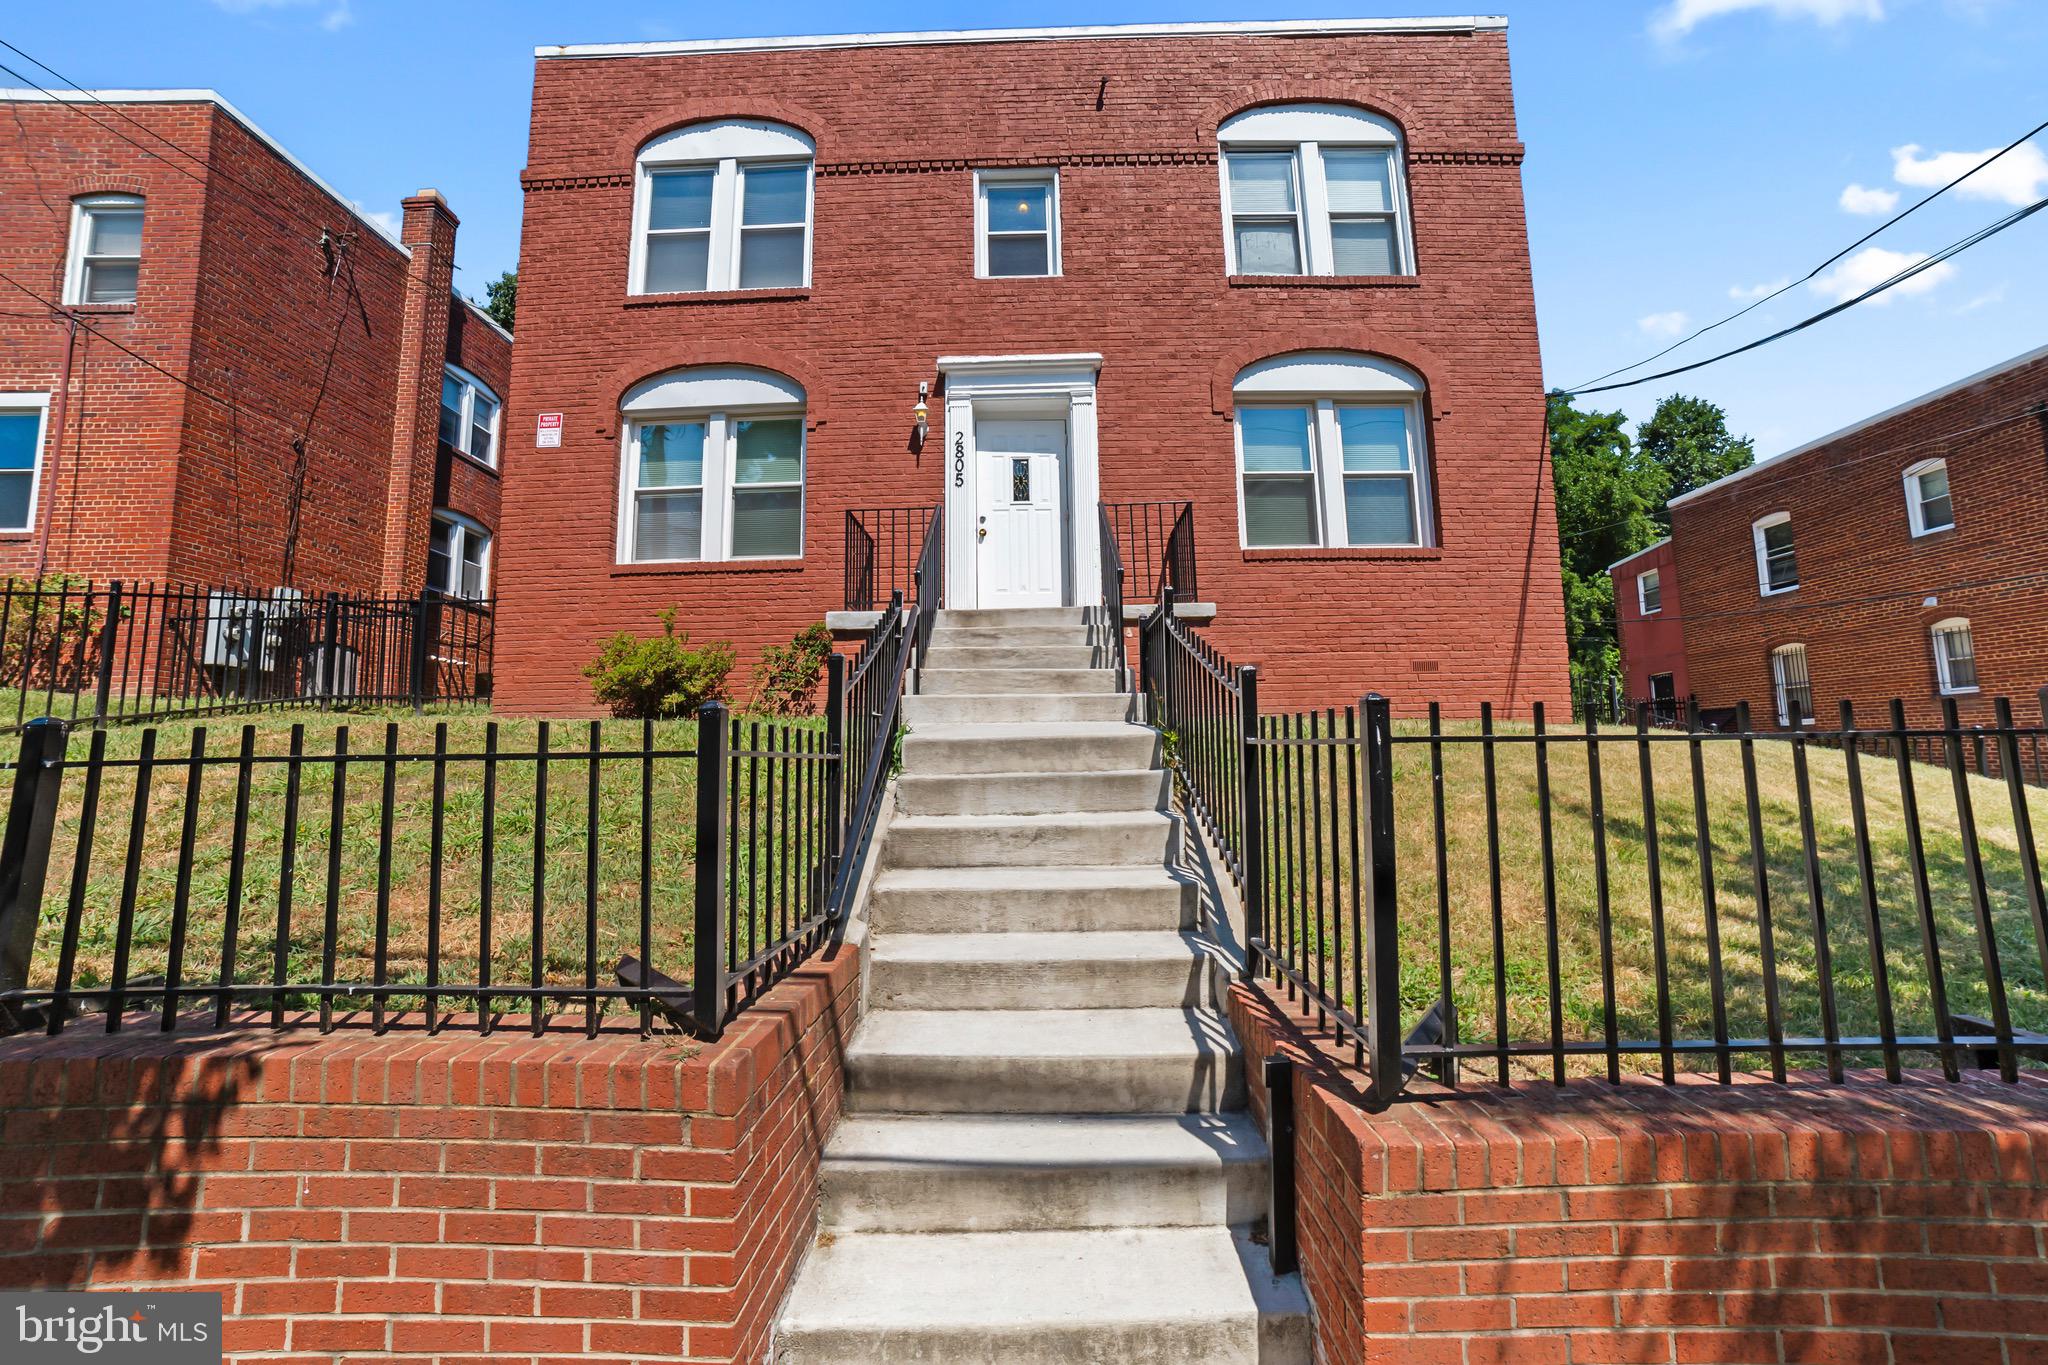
[440, 1197]
[265, 337]
[1870, 590]
[1131, 126]
[1652, 643]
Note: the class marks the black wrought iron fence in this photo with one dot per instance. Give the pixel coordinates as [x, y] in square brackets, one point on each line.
[1557, 903]
[882, 549]
[1112, 596]
[129, 652]
[927, 584]
[1156, 541]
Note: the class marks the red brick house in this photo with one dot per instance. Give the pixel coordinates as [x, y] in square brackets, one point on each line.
[1648, 607]
[1899, 557]
[215, 370]
[1275, 273]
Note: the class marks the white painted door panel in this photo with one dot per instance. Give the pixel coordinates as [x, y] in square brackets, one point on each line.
[1020, 552]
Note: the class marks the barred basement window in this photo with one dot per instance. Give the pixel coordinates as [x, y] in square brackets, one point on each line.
[105, 262]
[714, 467]
[1791, 686]
[1955, 657]
[722, 206]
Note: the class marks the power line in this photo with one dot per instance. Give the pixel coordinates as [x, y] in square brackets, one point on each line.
[1793, 284]
[1954, 248]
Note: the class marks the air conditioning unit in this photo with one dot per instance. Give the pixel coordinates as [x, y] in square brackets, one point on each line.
[246, 634]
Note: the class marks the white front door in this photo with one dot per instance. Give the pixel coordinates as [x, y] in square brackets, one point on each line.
[1020, 549]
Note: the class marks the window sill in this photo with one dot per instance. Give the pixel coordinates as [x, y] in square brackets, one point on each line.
[472, 461]
[1323, 281]
[1393, 554]
[100, 309]
[1935, 531]
[1959, 691]
[719, 296]
[1778, 592]
[685, 568]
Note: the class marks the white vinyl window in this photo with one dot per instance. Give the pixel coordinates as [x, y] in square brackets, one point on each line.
[1955, 657]
[21, 457]
[722, 206]
[458, 556]
[1329, 454]
[469, 416]
[1928, 507]
[1313, 189]
[720, 481]
[1016, 223]
[1791, 686]
[1777, 566]
[1650, 592]
[105, 261]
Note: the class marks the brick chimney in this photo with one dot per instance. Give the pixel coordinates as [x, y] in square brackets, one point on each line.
[429, 233]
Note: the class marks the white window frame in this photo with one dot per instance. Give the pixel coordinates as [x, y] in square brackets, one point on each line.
[728, 147]
[462, 530]
[1916, 507]
[1050, 178]
[38, 403]
[471, 387]
[1781, 692]
[1644, 580]
[1953, 625]
[1304, 131]
[720, 397]
[1763, 566]
[75, 259]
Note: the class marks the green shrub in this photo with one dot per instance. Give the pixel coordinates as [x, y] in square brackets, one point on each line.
[52, 632]
[659, 677]
[786, 680]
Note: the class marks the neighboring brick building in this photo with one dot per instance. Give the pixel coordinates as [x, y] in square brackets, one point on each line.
[1900, 557]
[183, 301]
[1651, 622]
[743, 258]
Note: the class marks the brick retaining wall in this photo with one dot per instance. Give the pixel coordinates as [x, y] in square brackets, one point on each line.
[426, 1196]
[1758, 1222]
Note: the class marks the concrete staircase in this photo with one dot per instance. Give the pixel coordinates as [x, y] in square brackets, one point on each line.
[1044, 1157]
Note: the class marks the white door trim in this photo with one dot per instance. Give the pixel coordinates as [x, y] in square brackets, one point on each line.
[1062, 385]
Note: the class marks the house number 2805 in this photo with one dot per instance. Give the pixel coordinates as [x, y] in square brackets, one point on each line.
[959, 459]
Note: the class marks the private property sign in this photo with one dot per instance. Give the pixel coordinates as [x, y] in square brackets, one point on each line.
[548, 430]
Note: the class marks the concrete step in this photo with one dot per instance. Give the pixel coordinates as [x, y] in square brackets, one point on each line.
[1010, 616]
[993, 1173]
[1034, 793]
[1128, 969]
[1104, 839]
[1014, 681]
[1016, 656]
[1060, 1061]
[979, 900]
[1014, 635]
[968, 708]
[1028, 747]
[1135, 1296]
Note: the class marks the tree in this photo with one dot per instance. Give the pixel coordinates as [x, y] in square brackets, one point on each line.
[501, 298]
[1609, 495]
[1689, 438]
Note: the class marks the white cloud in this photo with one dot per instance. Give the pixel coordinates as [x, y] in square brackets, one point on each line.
[1872, 266]
[1858, 199]
[383, 218]
[2019, 177]
[1664, 324]
[338, 14]
[1681, 17]
[1991, 296]
[1751, 293]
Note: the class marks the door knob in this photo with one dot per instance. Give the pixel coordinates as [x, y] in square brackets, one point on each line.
[981, 533]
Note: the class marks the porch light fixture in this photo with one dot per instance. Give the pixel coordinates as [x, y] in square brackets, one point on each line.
[920, 415]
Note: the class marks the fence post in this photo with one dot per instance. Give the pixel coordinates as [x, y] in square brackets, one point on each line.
[422, 609]
[329, 681]
[25, 851]
[1281, 1242]
[1252, 824]
[1382, 943]
[709, 980]
[835, 765]
[1159, 657]
[103, 691]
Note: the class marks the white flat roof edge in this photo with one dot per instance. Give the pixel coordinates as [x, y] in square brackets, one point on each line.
[933, 37]
[1069, 360]
[1930, 396]
[1658, 543]
[220, 101]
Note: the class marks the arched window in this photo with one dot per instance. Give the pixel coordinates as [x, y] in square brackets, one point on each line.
[1791, 685]
[106, 249]
[1955, 657]
[722, 205]
[1928, 508]
[713, 467]
[1330, 451]
[1314, 189]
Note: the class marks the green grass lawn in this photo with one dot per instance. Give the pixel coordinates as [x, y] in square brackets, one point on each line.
[573, 877]
[1465, 887]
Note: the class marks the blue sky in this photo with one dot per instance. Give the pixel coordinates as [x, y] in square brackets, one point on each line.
[1680, 151]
